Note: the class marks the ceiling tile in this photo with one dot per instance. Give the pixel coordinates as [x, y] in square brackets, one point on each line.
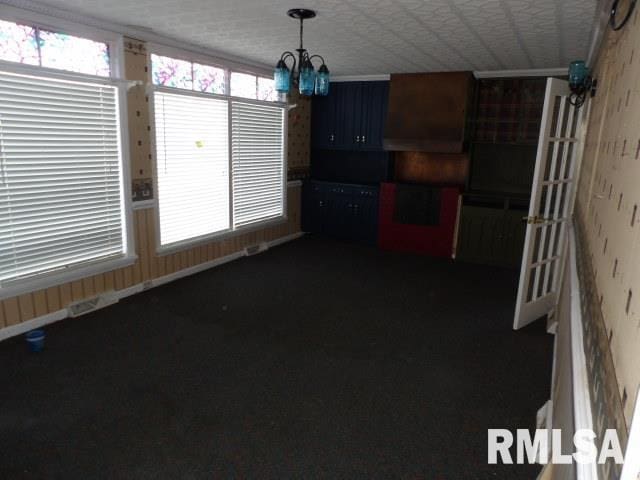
[372, 37]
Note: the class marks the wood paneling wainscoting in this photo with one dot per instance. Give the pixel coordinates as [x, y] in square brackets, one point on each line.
[148, 266]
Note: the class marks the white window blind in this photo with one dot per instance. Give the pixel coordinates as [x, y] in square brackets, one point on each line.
[60, 175]
[192, 162]
[258, 162]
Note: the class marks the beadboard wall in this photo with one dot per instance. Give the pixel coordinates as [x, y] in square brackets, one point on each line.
[150, 265]
[608, 220]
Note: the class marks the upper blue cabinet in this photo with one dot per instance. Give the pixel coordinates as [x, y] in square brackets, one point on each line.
[351, 117]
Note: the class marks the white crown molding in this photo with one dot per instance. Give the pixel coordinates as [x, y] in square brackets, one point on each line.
[360, 78]
[230, 61]
[541, 72]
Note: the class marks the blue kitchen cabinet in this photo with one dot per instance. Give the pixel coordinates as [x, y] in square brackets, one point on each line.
[344, 211]
[351, 117]
[315, 207]
[374, 114]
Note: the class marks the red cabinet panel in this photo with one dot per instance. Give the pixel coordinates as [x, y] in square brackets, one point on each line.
[433, 240]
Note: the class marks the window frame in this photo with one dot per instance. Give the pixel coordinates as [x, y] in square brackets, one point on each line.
[231, 232]
[46, 279]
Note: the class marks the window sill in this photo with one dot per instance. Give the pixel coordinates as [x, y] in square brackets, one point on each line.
[72, 274]
[220, 236]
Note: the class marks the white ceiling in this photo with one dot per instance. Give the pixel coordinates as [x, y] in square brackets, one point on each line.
[359, 37]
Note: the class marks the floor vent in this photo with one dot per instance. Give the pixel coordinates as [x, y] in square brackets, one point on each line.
[91, 304]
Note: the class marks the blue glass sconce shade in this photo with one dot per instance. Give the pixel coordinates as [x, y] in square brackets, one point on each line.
[322, 81]
[282, 77]
[307, 79]
[578, 73]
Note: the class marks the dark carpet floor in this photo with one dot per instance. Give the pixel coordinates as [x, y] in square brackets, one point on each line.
[316, 359]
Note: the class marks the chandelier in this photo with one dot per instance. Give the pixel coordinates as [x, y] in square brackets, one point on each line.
[302, 73]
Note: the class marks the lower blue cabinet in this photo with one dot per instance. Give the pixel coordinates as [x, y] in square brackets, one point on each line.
[345, 211]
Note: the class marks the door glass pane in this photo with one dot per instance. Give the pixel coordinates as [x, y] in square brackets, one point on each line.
[536, 243]
[550, 273]
[564, 189]
[546, 239]
[530, 292]
[567, 168]
[556, 242]
[544, 198]
[554, 118]
[548, 160]
[566, 115]
[574, 127]
[559, 160]
[540, 283]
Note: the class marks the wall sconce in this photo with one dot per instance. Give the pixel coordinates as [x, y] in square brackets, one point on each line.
[580, 83]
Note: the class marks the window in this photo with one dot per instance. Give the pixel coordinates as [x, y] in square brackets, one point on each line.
[172, 72]
[220, 160]
[61, 171]
[192, 166]
[258, 167]
[213, 176]
[36, 46]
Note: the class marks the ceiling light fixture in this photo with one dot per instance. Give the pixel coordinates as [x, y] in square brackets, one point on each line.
[302, 74]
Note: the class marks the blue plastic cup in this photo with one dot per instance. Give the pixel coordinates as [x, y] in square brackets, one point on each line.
[35, 340]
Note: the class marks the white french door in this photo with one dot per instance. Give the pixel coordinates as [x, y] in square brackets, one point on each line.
[550, 207]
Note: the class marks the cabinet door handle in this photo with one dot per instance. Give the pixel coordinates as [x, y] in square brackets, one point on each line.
[331, 137]
[358, 139]
[362, 138]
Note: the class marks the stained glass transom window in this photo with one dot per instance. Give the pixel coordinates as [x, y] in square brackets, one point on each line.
[173, 72]
[246, 85]
[35, 46]
[243, 85]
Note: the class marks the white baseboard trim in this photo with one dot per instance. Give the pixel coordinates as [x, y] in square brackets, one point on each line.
[58, 315]
[281, 240]
[156, 282]
[32, 324]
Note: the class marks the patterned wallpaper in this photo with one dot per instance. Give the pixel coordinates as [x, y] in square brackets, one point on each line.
[136, 68]
[607, 215]
[299, 144]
